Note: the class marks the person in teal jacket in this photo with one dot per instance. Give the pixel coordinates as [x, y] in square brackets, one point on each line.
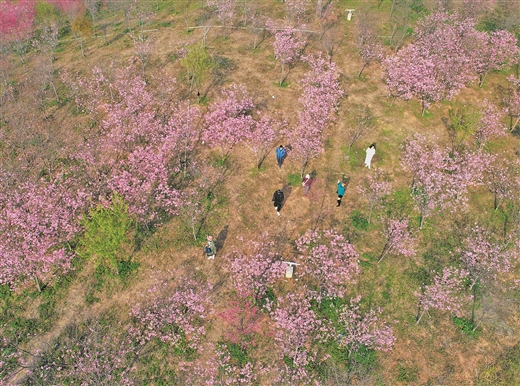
[340, 191]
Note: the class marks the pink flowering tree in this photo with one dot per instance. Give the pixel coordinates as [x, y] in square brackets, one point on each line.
[37, 222]
[288, 45]
[136, 152]
[16, 19]
[224, 10]
[375, 189]
[500, 179]
[16, 25]
[398, 239]
[298, 329]
[329, 260]
[447, 292]
[320, 98]
[234, 372]
[216, 366]
[243, 321]
[363, 329]
[262, 136]
[511, 102]
[170, 314]
[436, 66]
[229, 120]
[433, 181]
[490, 125]
[370, 49]
[89, 353]
[493, 52]
[484, 256]
[256, 268]
[295, 9]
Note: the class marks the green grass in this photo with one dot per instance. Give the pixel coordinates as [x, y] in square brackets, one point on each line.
[294, 179]
[466, 326]
[359, 221]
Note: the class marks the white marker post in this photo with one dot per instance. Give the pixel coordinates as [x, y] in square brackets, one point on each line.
[349, 16]
[290, 269]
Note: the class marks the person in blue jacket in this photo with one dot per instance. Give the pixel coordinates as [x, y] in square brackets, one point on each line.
[281, 152]
[341, 191]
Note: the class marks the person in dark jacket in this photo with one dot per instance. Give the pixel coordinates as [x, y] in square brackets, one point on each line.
[278, 200]
[341, 191]
[281, 153]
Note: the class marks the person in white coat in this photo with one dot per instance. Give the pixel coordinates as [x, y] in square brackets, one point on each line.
[371, 150]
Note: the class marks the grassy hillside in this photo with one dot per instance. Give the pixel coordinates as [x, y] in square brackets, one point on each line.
[140, 302]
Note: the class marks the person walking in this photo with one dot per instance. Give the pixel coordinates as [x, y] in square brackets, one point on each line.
[306, 183]
[371, 150]
[211, 249]
[341, 192]
[278, 200]
[281, 153]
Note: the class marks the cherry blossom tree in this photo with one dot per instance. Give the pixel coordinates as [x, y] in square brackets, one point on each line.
[16, 19]
[440, 176]
[261, 138]
[256, 268]
[358, 329]
[171, 313]
[288, 45]
[484, 255]
[398, 239]
[298, 329]
[370, 49]
[37, 221]
[295, 9]
[446, 293]
[329, 260]
[136, 152]
[493, 52]
[436, 66]
[224, 10]
[490, 125]
[243, 321]
[501, 180]
[511, 102]
[321, 95]
[375, 189]
[229, 120]
[16, 25]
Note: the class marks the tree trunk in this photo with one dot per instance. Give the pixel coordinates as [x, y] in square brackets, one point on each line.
[362, 68]
[38, 285]
[419, 316]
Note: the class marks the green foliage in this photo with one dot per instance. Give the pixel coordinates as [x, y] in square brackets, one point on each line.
[359, 221]
[125, 268]
[399, 203]
[109, 234]
[155, 372]
[268, 296]
[407, 373]
[466, 326]
[45, 12]
[284, 84]
[294, 179]
[329, 308]
[461, 124]
[198, 64]
[237, 353]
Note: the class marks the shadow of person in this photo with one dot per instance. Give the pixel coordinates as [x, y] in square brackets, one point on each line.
[221, 238]
[287, 190]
